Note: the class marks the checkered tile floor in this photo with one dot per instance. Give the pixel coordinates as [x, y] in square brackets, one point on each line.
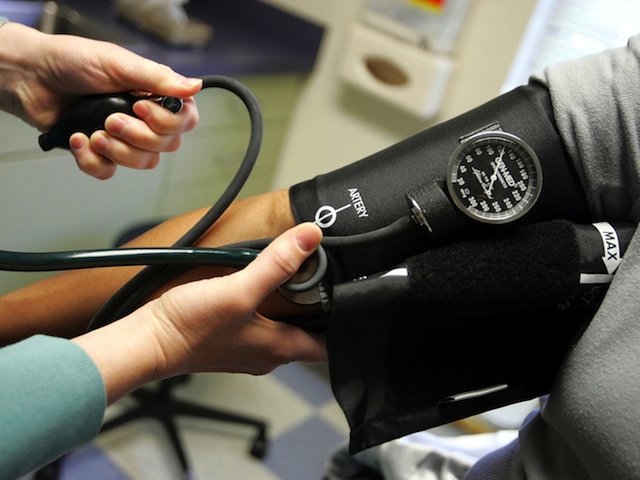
[305, 425]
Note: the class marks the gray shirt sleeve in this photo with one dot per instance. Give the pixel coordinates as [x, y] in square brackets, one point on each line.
[590, 424]
[596, 102]
[593, 412]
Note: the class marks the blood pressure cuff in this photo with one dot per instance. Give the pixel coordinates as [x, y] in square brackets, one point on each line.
[401, 363]
[370, 193]
[474, 325]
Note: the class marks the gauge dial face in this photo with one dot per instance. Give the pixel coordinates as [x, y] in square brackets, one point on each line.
[494, 177]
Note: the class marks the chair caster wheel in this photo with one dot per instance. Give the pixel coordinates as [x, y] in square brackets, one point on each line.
[259, 448]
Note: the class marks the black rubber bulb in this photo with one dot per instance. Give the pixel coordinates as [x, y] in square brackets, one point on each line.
[89, 114]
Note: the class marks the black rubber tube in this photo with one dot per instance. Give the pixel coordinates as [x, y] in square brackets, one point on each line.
[74, 260]
[112, 310]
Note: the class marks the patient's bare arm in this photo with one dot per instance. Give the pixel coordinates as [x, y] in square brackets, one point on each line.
[63, 305]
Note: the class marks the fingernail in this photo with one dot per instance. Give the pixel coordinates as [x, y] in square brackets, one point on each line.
[101, 142]
[307, 239]
[76, 143]
[115, 125]
[141, 110]
[191, 82]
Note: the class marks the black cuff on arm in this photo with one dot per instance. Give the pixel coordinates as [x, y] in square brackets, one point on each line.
[476, 324]
[370, 193]
[397, 360]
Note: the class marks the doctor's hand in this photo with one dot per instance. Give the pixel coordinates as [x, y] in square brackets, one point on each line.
[209, 325]
[41, 75]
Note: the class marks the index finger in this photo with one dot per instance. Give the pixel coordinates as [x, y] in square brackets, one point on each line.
[138, 73]
[165, 122]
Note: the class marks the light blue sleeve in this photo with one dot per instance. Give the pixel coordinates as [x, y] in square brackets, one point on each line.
[52, 399]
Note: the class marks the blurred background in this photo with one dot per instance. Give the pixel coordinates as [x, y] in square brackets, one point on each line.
[337, 80]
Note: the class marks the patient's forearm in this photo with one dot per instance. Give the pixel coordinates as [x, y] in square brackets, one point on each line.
[64, 304]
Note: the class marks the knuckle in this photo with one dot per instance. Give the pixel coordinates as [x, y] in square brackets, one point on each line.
[174, 143]
[164, 71]
[102, 169]
[192, 120]
[105, 172]
[152, 162]
[285, 261]
[138, 135]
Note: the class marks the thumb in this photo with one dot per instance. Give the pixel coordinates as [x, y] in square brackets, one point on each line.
[279, 261]
[139, 73]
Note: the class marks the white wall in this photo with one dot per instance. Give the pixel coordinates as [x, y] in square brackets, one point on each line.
[335, 125]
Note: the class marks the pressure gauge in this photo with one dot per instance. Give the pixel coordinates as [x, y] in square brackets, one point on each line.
[494, 177]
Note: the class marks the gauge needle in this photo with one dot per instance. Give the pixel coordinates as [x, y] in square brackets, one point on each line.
[487, 191]
[478, 175]
[494, 177]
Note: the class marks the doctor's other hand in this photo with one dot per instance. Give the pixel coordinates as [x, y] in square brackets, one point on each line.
[210, 325]
[42, 75]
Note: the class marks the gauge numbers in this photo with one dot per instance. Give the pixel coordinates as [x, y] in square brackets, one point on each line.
[494, 177]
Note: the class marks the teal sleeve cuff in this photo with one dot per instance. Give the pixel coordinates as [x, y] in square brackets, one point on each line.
[52, 399]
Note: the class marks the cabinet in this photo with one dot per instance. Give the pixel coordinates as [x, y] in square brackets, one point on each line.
[47, 204]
